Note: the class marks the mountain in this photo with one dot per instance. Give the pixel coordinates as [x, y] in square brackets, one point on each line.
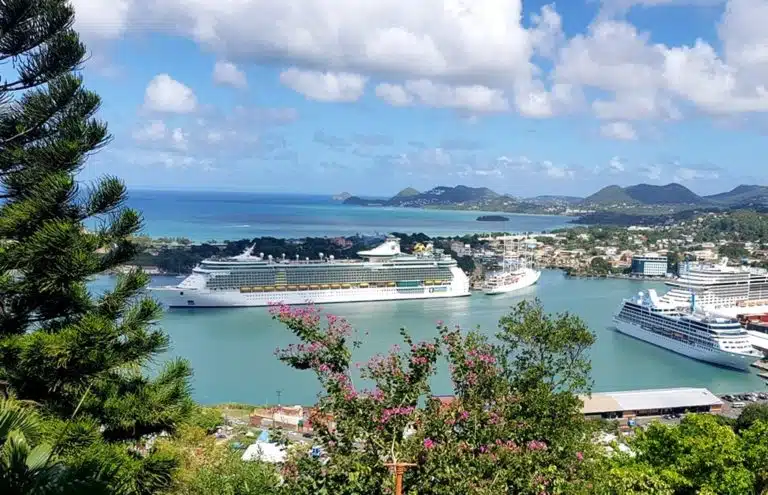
[444, 195]
[645, 194]
[408, 192]
[743, 195]
[609, 195]
[671, 194]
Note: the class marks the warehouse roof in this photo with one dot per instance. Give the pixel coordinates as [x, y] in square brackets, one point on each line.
[643, 400]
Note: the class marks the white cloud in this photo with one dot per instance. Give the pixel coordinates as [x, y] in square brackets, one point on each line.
[687, 174]
[557, 171]
[652, 172]
[616, 165]
[167, 95]
[622, 131]
[179, 139]
[474, 98]
[394, 94]
[483, 51]
[227, 74]
[325, 86]
[155, 130]
[101, 18]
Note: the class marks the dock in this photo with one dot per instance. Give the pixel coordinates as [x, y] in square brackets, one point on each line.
[761, 365]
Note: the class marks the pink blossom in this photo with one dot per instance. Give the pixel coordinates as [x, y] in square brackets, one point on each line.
[535, 445]
[579, 456]
[440, 323]
[428, 443]
[464, 415]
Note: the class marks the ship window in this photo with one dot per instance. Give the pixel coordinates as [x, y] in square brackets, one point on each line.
[181, 293]
[190, 302]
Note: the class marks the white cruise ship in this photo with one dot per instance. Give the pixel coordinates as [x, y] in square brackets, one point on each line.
[384, 273]
[513, 276]
[719, 286]
[517, 271]
[688, 331]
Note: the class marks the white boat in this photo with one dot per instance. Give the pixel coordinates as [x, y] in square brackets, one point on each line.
[516, 273]
[510, 281]
[383, 274]
[686, 330]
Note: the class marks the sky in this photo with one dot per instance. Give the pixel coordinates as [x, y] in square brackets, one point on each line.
[371, 96]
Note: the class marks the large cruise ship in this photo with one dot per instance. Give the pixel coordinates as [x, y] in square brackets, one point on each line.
[719, 286]
[688, 331]
[383, 274]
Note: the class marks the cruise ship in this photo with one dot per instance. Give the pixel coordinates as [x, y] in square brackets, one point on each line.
[719, 286]
[517, 271]
[686, 330]
[384, 273]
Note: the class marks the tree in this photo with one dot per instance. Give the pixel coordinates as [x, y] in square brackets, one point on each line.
[749, 415]
[78, 357]
[512, 425]
[698, 456]
[600, 265]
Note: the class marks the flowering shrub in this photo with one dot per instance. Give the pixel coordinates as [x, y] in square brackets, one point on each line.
[513, 424]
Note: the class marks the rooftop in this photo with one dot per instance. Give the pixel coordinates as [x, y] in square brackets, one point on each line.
[640, 400]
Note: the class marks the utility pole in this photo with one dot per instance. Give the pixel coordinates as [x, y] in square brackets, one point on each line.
[399, 468]
[279, 393]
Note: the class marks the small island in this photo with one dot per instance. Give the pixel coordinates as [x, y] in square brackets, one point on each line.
[492, 218]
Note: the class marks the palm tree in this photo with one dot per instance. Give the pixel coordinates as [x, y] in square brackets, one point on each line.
[26, 468]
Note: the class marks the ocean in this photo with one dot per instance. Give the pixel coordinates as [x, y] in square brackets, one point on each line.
[203, 216]
[232, 350]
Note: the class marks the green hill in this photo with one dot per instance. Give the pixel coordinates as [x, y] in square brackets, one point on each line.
[744, 194]
[407, 193]
[670, 194]
[610, 195]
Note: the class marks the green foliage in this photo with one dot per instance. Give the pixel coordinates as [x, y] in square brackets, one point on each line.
[77, 357]
[734, 251]
[513, 426]
[741, 226]
[752, 413]
[207, 467]
[700, 454]
[600, 265]
[206, 418]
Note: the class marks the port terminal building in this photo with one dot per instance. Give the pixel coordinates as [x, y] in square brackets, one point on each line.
[649, 403]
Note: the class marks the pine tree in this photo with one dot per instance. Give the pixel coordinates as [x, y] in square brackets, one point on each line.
[80, 358]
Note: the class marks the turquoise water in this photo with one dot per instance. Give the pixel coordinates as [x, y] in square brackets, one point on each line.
[232, 350]
[203, 216]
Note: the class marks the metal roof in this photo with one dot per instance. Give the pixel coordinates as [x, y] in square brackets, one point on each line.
[641, 400]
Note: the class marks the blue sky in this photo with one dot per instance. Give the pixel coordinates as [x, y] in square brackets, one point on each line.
[527, 98]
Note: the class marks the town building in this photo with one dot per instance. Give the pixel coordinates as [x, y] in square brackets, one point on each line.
[649, 403]
[649, 265]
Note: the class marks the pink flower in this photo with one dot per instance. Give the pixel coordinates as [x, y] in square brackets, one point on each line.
[440, 323]
[535, 445]
[579, 456]
[428, 443]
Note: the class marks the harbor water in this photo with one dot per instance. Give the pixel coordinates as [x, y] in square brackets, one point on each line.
[232, 350]
[203, 216]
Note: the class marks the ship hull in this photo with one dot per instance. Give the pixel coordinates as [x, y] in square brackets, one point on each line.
[722, 358]
[176, 297]
[528, 279]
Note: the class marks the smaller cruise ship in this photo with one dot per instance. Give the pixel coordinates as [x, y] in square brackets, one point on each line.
[517, 272]
[685, 330]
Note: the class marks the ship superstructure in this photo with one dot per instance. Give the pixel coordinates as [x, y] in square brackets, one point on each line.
[383, 273]
[689, 331]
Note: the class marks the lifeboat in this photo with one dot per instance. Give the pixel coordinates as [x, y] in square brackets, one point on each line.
[390, 284]
[303, 287]
[245, 290]
[346, 286]
[335, 286]
[314, 287]
[363, 285]
[269, 288]
[257, 289]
